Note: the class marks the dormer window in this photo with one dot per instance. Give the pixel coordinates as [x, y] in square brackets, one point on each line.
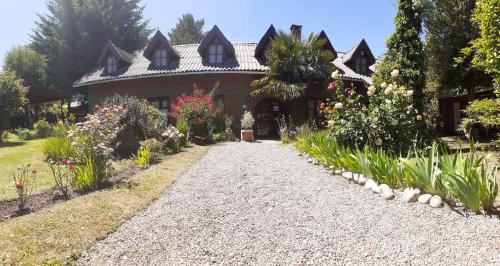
[112, 64]
[361, 63]
[215, 54]
[160, 57]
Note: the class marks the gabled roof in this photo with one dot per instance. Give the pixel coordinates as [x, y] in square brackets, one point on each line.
[215, 34]
[160, 40]
[346, 72]
[354, 52]
[328, 45]
[190, 62]
[268, 36]
[119, 53]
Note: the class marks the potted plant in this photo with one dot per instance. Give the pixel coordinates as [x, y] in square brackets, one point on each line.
[247, 122]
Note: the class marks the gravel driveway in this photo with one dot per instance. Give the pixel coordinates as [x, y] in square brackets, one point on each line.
[261, 204]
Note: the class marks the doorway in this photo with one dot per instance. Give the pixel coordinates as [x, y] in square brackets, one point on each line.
[266, 113]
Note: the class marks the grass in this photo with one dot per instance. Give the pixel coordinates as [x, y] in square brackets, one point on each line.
[57, 235]
[15, 152]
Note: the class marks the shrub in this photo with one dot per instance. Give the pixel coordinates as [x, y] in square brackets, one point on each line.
[58, 148]
[247, 120]
[183, 129]
[63, 174]
[224, 136]
[27, 134]
[91, 173]
[172, 139]
[386, 168]
[60, 129]
[143, 158]
[154, 146]
[42, 128]
[12, 98]
[24, 181]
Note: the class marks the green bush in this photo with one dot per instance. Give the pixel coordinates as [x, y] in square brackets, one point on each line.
[183, 128]
[42, 128]
[60, 129]
[12, 98]
[224, 136]
[58, 148]
[154, 146]
[90, 174]
[27, 134]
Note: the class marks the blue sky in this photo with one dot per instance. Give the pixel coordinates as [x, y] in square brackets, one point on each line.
[345, 21]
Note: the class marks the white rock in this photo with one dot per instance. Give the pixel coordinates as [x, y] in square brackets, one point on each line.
[310, 160]
[411, 195]
[338, 172]
[425, 198]
[362, 180]
[436, 202]
[348, 176]
[386, 192]
[372, 185]
[315, 162]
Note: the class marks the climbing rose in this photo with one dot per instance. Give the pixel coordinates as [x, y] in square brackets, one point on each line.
[64, 161]
[409, 93]
[332, 86]
[338, 106]
[322, 106]
[383, 85]
[419, 117]
[335, 74]
[395, 74]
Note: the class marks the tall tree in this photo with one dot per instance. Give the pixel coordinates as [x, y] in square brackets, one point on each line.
[187, 30]
[71, 36]
[293, 65]
[12, 98]
[405, 50]
[449, 29]
[28, 64]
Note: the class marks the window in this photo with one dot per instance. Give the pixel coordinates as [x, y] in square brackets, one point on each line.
[161, 104]
[313, 113]
[215, 53]
[361, 63]
[112, 64]
[160, 57]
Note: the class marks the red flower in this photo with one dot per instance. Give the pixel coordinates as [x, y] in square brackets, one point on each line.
[19, 186]
[322, 106]
[64, 161]
[33, 171]
[332, 86]
[71, 166]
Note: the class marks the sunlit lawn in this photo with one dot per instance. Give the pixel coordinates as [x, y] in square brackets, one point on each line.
[16, 152]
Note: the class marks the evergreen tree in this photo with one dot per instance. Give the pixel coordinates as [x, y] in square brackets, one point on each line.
[28, 64]
[187, 30]
[405, 50]
[73, 34]
[449, 29]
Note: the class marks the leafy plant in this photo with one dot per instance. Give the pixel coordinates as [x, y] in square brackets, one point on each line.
[90, 174]
[12, 98]
[154, 146]
[24, 181]
[247, 120]
[27, 134]
[182, 126]
[425, 172]
[42, 128]
[172, 139]
[386, 169]
[62, 171]
[143, 158]
[58, 148]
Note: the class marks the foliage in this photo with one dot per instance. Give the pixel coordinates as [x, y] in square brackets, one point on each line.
[224, 136]
[74, 32]
[62, 171]
[58, 148]
[154, 146]
[449, 29]
[29, 65]
[425, 171]
[182, 126]
[12, 98]
[26, 134]
[405, 50]
[42, 128]
[141, 121]
[385, 168]
[143, 158]
[196, 111]
[90, 173]
[293, 65]
[187, 30]
[484, 112]
[487, 45]
[24, 181]
[172, 139]
[247, 120]
[60, 129]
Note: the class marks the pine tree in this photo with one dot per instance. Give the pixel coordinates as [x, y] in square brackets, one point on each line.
[449, 29]
[72, 35]
[187, 30]
[405, 50]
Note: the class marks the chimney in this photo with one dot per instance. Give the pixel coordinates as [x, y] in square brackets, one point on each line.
[296, 31]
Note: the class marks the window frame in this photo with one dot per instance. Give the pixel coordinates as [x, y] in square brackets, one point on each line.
[216, 54]
[161, 59]
[165, 110]
[111, 64]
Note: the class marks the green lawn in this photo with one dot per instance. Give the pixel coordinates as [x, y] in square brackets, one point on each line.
[15, 152]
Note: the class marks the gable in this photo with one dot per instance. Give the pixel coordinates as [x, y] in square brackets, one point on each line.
[110, 49]
[215, 36]
[350, 57]
[328, 45]
[264, 42]
[160, 41]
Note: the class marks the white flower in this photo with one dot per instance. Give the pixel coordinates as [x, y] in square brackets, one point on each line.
[388, 90]
[383, 85]
[409, 93]
[387, 101]
[372, 88]
[330, 122]
[338, 106]
[335, 74]
[378, 142]
[395, 74]
[74, 143]
[370, 93]
[394, 122]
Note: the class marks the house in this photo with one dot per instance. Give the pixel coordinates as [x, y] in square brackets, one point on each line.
[161, 72]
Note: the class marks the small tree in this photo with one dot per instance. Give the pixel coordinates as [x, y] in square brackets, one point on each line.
[187, 30]
[293, 65]
[405, 50]
[12, 98]
[28, 65]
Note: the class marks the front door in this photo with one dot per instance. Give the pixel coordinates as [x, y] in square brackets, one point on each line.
[266, 114]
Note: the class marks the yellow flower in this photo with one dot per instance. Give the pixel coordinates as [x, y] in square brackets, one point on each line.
[419, 117]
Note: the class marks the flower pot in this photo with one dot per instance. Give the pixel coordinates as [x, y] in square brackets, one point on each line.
[247, 135]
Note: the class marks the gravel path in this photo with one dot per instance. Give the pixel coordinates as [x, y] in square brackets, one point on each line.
[261, 204]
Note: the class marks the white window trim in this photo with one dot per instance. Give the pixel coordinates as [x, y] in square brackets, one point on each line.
[112, 64]
[160, 57]
[215, 55]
